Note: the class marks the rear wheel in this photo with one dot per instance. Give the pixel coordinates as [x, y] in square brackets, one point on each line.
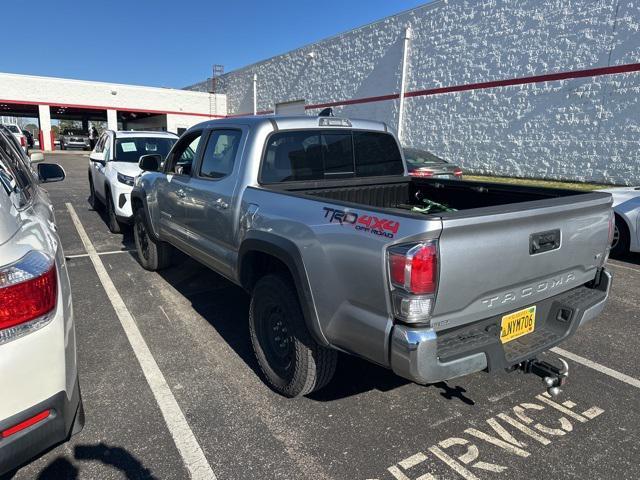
[112, 220]
[152, 255]
[292, 362]
[621, 238]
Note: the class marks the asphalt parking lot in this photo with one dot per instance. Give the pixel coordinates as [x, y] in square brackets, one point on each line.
[367, 424]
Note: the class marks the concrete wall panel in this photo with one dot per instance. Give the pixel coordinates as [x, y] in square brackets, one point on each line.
[585, 129]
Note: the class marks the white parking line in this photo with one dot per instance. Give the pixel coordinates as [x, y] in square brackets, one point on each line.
[82, 255]
[192, 455]
[634, 382]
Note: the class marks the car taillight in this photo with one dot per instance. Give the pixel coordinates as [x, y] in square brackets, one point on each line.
[28, 292]
[413, 272]
[457, 172]
[23, 141]
[421, 173]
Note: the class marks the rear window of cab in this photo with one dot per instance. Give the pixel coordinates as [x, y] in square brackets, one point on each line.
[306, 155]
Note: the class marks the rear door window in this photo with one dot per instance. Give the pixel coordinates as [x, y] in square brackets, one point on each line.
[319, 154]
[220, 154]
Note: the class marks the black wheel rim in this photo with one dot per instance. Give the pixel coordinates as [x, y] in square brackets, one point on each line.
[276, 340]
[143, 240]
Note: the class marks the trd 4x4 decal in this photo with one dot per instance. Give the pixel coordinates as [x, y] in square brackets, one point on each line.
[364, 223]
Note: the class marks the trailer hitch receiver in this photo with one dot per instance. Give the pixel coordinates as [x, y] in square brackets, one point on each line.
[552, 377]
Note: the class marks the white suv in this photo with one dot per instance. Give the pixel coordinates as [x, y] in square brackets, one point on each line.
[113, 167]
[40, 402]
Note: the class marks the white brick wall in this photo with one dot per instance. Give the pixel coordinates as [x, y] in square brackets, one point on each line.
[586, 129]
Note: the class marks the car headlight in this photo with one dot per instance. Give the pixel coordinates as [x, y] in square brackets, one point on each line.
[126, 179]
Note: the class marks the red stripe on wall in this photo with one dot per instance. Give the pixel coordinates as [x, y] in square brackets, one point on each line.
[550, 77]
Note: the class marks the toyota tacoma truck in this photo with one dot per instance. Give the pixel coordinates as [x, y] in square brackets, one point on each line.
[342, 251]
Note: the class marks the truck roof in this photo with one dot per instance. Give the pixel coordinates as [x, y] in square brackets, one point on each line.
[282, 122]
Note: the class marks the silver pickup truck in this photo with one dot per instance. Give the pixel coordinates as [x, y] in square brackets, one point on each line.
[341, 250]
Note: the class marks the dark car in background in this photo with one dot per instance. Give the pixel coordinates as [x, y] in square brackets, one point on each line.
[74, 139]
[421, 163]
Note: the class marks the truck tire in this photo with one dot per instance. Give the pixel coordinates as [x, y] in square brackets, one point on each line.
[292, 362]
[152, 255]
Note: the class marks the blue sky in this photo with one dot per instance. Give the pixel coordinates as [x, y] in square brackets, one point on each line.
[171, 44]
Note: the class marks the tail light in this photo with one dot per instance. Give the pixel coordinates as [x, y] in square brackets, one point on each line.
[28, 292]
[23, 140]
[421, 173]
[413, 273]
[457, 172]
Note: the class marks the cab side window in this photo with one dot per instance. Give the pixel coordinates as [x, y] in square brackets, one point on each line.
[183, 154]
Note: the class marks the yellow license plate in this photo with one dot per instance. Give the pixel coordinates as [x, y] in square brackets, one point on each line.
[517, 324]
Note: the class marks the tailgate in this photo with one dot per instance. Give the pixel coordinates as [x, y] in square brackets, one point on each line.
[498, 259]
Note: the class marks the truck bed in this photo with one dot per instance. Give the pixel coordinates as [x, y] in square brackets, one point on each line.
[491, 223]
[400, 194]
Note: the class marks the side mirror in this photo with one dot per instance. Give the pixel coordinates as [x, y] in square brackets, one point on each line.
[98, 157]
[50, 172]
[37, 157]
[150, 163]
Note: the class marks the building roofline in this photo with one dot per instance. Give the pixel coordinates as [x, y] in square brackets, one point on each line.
[97, 83]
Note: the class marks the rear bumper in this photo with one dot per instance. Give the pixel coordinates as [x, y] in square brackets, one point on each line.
[66, 418]
[426, 356]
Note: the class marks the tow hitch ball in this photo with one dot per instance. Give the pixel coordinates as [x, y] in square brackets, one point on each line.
[552, 376]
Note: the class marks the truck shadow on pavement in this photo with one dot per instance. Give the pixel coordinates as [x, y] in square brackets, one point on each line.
[226, 307]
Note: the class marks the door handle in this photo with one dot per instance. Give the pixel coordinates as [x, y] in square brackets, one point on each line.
[220, 203]
[180, 193]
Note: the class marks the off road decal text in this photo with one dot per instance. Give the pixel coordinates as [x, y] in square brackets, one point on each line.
[364, 223]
